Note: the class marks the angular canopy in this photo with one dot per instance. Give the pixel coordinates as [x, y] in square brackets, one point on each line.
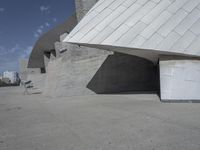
[147, 28]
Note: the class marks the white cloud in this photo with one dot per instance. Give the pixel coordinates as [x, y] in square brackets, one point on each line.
[45, 9]
[47, 24]
[15, 48]
[2, 9]
[41, 29]
[10, 56]
[15, 51]
[36, 35]
[38, 31]
[5, 51]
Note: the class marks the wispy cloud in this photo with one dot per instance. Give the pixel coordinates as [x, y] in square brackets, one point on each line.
[45, 9]
[2, 10]
[5, 50]
[47, 24]
[26, 52]
[44, 27]
[41, 29]
[15, 48]
[10, 56]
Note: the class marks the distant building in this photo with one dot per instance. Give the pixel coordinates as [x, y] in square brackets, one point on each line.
[6, 81]
[12, 76]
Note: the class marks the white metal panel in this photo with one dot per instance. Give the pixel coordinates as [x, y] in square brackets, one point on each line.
[188, 22]
[138, 41]
[104, 5]
[153, 41]
[190, 5]
[116, 35]
[116, 4]
[128, 3]
[181, 84]
[163, 22]
[93, 23]
[172, 23]
[122, 17]
[110, 18]
[140, 13]
[154, 13]
[169, 41]
[194, 48]
[176, 5]
[184, 41]
[131, 34]
[156, 24]
[195, 28]
[102, 35]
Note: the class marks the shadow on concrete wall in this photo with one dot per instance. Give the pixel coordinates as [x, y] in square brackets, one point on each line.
[121, 73]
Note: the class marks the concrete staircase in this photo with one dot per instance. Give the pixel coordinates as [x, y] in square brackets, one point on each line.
[38, 81]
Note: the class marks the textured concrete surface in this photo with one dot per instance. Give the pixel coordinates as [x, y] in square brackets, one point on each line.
[83, 6]
[70, 74]
[83, 71]
[25, 71]
[179, 79]
[38, 81]
[115, 122]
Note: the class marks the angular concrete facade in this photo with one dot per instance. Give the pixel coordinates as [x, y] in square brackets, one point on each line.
[44, 47]
[80, 70]
[152, 30]
[164, 27]
[123, 46]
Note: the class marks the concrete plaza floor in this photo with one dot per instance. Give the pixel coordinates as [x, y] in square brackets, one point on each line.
[101, 122]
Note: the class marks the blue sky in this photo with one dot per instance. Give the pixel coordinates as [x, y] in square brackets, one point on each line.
[21, 24]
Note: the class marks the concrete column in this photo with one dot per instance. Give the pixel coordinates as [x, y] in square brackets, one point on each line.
[47, 56]
[180, 79]
[83, 6]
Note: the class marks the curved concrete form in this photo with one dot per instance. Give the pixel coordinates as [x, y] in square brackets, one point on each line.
[147, 28]
[46, 42]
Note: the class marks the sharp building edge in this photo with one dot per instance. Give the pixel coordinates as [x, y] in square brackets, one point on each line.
[124, 46]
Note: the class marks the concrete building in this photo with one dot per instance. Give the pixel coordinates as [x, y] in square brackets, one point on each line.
[45, 46]
[11, 77]
[123, 46]
[164, 32]
[25, 71]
